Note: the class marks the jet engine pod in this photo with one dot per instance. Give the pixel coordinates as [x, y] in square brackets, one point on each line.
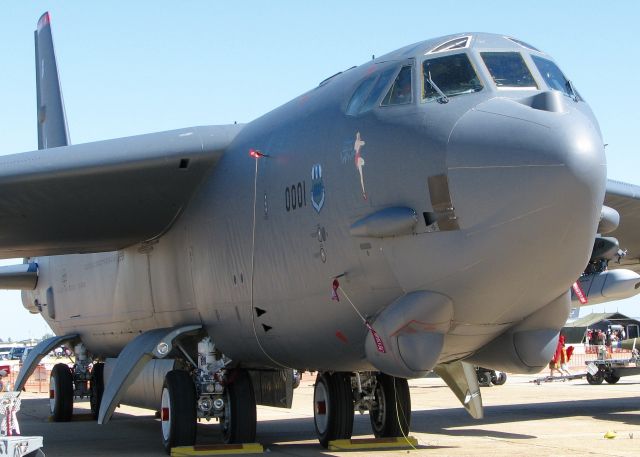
[527, 347]
[609, 220]
[607, 286]
[407, 336]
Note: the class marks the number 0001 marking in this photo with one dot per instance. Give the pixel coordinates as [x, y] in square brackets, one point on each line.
[295, 196]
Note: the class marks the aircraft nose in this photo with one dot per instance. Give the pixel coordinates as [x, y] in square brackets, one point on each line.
[541, 172]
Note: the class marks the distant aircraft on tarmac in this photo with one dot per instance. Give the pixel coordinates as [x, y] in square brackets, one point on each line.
[431, 209]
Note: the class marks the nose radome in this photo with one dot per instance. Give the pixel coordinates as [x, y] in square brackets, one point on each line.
[506, 160]
[527, 188]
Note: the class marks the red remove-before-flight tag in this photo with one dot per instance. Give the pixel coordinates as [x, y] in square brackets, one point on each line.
[582, 298]
[334, 292]
[377, 339]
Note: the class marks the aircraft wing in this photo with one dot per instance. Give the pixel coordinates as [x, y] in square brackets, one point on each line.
[625, 198]
[105, 195]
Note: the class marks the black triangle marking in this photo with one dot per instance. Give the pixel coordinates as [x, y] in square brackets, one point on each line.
[259, 311]
[266, 327]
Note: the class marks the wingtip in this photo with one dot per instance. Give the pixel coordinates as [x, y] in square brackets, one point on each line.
[44, 20]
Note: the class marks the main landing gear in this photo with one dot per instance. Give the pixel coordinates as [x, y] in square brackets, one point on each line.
[337, 395]
[210, 390]
[82, 380]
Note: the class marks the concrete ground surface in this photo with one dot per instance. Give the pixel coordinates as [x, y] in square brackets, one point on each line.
[521, 418]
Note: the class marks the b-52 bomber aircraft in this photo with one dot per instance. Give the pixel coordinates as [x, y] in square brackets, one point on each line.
[431, 209]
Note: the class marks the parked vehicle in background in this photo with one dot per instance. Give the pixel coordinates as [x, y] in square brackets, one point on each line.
[5, 350]
[16, 353]
[25, 353]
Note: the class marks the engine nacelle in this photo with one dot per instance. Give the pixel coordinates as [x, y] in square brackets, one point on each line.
[527, 347]
[407, 337]
[609, 220]
[607, 286]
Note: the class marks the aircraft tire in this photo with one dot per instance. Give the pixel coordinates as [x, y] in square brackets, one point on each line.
[239, 422]
[333, 407]
[595, 380]
[498, 378]
[61, 393]
[391, 416]
[611, 378]
[97, 388]
[178, 410]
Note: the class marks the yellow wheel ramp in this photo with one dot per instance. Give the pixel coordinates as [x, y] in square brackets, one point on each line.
[373, 443]
[217, 449]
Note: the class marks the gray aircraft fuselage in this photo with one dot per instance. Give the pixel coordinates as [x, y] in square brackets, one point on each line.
[518, 178]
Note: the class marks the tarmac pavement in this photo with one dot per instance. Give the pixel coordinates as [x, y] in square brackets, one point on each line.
[521, 418]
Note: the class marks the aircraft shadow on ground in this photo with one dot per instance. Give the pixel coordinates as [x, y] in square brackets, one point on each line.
[449, 421]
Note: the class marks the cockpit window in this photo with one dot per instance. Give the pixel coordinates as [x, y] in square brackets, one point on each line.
[552, 75]
[457, 43]
[360, 94]
[400, 92]
[369, 92]
[508, 70]
[522, 43]
[378, 89]
[452, 74]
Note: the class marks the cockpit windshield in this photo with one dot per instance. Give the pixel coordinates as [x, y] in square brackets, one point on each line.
[552, 75]
[452, 75]
[508, 70]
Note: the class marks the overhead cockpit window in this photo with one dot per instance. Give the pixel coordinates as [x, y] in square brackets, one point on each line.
[522, 43]
[457, 43]
[359, 96]
[400, 92]
[369, 92]
[450, 75]
[508, 70]
[554, 78]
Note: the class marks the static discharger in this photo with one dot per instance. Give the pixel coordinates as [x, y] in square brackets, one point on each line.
[217, 449]
[399, 442]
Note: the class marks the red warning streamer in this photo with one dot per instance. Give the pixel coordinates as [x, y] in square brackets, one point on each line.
[579, 293]
[376, 338]
[334, 292]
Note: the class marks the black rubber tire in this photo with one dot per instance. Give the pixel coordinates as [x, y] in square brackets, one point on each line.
[181, 391]
[333, 394]
[97, 388]
[595, 380]
[611, 378]
[391, 415]
[61, 393]
[239, 422]
[498, 379]
[297, 377]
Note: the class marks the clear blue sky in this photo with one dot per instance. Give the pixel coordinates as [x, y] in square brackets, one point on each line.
[130, 67]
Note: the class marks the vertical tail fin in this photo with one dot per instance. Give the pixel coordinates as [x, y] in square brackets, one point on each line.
[52, 120]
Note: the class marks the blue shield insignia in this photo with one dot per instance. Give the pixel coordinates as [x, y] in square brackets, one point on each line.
[317, 187]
